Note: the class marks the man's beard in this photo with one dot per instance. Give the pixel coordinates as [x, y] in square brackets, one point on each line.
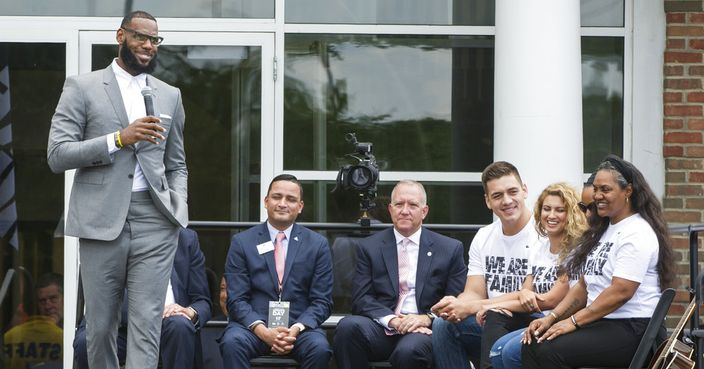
[131, 62]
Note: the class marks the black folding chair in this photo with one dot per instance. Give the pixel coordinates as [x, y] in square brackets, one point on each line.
[648, 346]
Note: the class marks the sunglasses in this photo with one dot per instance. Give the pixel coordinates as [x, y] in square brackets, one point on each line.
[141, 37]
[584, 207]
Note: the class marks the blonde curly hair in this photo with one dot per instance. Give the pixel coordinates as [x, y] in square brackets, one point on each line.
[576, 221]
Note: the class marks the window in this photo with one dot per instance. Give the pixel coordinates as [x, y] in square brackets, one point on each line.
[425, 102]
[31, 196]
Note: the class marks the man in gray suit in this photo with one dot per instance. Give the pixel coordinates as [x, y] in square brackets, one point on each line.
[129, 191]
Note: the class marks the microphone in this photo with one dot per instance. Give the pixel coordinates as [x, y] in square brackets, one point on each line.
[149, 100]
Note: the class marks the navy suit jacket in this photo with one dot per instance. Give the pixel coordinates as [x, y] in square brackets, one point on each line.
[440, 272]
[188, 280]
[252, 280]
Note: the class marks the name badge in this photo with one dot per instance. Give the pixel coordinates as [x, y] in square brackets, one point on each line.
[265, 247]
[278, 314]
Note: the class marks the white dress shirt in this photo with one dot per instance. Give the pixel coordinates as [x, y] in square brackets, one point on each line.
[409, 303]
[131, 91]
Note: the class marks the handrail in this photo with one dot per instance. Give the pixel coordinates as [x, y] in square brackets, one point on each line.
[686, 228]
[337, 226]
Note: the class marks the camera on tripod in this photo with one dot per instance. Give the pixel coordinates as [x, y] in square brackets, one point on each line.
[361, 176]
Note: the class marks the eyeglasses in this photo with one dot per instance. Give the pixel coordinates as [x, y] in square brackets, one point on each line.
[141, 37]
[584, 207]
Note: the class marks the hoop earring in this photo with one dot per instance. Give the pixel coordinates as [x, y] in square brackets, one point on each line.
[627, 200]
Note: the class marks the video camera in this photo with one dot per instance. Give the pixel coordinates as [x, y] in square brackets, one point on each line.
[361, 176]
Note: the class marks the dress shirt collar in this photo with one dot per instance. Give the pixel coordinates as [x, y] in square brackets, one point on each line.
[273, 232]
[415, 238]
[124, 78]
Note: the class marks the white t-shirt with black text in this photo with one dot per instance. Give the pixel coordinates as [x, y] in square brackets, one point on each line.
[501, 259]
[542, 265]
[629, 250]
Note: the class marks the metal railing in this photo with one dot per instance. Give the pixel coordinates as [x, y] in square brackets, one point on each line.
[696, 331]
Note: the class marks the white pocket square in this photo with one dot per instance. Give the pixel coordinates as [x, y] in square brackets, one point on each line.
[164, 116]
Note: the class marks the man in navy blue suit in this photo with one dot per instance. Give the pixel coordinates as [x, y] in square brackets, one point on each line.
[272, 265]
[401, 272]
[186, 310]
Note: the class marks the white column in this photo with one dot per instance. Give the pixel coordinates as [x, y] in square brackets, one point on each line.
[538, 91]
[646, 124]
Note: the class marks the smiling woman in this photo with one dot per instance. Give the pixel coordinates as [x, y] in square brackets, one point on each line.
[622, 264]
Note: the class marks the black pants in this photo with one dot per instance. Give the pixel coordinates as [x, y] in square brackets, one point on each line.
[603, 343]
[495, 327]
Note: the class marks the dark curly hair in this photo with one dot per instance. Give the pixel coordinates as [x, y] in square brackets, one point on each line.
[644, 202]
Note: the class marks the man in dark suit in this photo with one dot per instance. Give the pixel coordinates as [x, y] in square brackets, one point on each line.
[269, 266]
[129, 190]
[401, 272]
[187, 310]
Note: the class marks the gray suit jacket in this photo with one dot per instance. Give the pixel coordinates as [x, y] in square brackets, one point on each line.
[89, 108]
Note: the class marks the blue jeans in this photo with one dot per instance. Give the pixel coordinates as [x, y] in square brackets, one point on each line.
[506, 351]
[453, 343]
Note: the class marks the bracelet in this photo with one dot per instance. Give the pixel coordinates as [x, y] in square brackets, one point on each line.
[574, 321]
[118, 141]
[554, 316]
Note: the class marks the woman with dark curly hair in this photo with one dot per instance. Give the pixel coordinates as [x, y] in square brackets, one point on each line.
[623, 262]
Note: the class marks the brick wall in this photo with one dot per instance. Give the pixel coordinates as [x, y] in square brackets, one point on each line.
[683, 141]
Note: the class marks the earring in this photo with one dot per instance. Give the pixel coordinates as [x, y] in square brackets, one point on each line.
[627, 200]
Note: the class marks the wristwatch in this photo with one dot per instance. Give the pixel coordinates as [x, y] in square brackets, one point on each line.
[195, 315]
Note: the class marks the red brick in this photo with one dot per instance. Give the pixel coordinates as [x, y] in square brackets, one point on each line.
[696, 18]
[670, 151]
[696, 176]
[671, 123]
[695, 124]
[682, 57]
[684, 190]
[671, 163]
[695, 96]
[695, 152]
[679, 257]
[674, 177]
[674, 70]
[682, 269]
[696, 43]
[683, 216]
[680, 243]
[683, 83]
[675, 44]
[673, 97]
[685, 31]
[683, 137]
[683, 111]
[683, 295]
[696, 70]
[695, 204]
[675, 312]
[675, 18]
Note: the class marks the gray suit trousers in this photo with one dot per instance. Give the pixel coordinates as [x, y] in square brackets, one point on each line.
[140, 259]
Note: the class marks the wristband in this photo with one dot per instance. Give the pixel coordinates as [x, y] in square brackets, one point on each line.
[118, 141]
[574, 321]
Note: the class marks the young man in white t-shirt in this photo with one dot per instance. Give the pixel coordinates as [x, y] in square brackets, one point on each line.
[498, 264]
